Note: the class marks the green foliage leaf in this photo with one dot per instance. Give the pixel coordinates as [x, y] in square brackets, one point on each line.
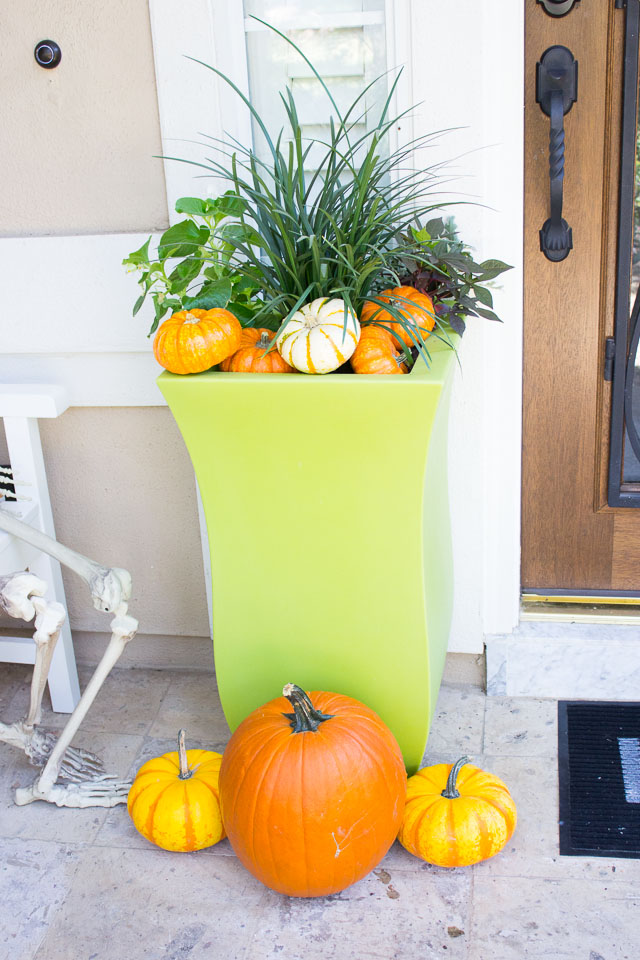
[138, 257]
[182, 239]
[139, 302]
[184, 273]
[493, 268]
[228, 205]
[488, 314]
[483, 295]
[212, 296]
[191, 205]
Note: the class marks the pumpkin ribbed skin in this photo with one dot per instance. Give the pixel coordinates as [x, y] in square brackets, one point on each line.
[460, 831]
[251, 356]
[194, 340]
[376, 353]
[178, 814]
[312, 812]
[314, 340]
[416, 308]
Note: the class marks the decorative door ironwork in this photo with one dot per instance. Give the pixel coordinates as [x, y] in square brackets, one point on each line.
[622, 353]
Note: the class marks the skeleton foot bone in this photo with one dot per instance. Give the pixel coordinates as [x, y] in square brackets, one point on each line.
[105, 791]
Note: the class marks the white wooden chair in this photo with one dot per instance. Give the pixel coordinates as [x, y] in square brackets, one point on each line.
[21, 406]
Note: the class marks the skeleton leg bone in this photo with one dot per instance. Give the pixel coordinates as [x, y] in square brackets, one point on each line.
[110, 589]
[103, 791]
[21, 596]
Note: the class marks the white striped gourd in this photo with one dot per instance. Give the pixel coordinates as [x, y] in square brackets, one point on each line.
[315, 339]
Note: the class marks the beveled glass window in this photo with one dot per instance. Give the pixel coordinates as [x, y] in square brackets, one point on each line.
[624, 462]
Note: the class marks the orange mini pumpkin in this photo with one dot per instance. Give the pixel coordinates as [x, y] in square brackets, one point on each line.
[456, 815]
[174, 800]
[194, 340]
[416, 308]
[312, 800]
[377, 353]
[251, 357]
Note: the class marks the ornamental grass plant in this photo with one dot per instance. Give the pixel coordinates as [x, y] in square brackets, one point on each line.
[361, 222]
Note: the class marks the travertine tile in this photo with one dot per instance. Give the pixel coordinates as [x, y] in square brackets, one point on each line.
[392, 913]
[521, 727]
[533, 851]
[44, 821]
[155, 905]
[126, 703]
[457, 723]
[519, 919]
[35, 877]
[192, 702]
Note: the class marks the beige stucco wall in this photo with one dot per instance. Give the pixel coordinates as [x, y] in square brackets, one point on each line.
[123, 492]
[77, 155]
[78, 142]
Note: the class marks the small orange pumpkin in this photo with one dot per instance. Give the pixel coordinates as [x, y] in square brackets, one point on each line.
[174, 799]
[312, 800]
[416, 308]
[194, 340]
[456, 815]
[376, 353]
[251, 357]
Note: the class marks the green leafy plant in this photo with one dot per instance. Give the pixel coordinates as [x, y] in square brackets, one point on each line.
[281, 236]
[191, 266]
[441, 265]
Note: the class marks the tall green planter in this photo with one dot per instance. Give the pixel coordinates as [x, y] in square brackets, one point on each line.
[328, 520]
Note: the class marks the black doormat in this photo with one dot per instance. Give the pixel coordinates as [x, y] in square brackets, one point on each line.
[599, 766]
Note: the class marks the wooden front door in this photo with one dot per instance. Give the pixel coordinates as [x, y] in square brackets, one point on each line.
[573, 540]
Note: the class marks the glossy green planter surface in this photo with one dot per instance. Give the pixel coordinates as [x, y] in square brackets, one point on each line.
[328, 521]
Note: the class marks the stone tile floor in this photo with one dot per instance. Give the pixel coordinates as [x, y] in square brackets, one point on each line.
[83, 885]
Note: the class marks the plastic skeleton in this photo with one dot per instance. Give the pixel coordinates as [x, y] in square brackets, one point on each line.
[85, 784]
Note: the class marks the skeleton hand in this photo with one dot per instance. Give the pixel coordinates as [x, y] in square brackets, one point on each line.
[77, 764]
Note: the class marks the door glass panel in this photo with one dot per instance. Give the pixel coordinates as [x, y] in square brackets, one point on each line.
[631, 462]
[345, 41]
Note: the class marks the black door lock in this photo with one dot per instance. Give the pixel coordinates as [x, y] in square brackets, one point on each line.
[556, 92]
[558, 8]
[48, 54]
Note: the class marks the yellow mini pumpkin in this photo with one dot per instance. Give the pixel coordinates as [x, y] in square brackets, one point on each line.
[456, 815]
[174, 800]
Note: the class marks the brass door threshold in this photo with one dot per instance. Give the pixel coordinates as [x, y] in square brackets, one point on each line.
[580, 609]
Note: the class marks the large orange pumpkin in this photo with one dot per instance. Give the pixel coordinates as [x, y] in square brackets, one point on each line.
[312, 799]
[416, 309]
[194, 340]
[251, 356]
[456, 815]
[377, 353]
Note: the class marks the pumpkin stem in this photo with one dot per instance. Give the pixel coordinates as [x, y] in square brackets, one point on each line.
[451, 791]
[185, 772]
[305, 719]
[190, 318]
[264, 341]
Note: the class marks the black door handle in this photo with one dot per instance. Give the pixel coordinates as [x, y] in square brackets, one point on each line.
[556, 92]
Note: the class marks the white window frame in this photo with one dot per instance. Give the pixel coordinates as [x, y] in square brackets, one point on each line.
[222, 27]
